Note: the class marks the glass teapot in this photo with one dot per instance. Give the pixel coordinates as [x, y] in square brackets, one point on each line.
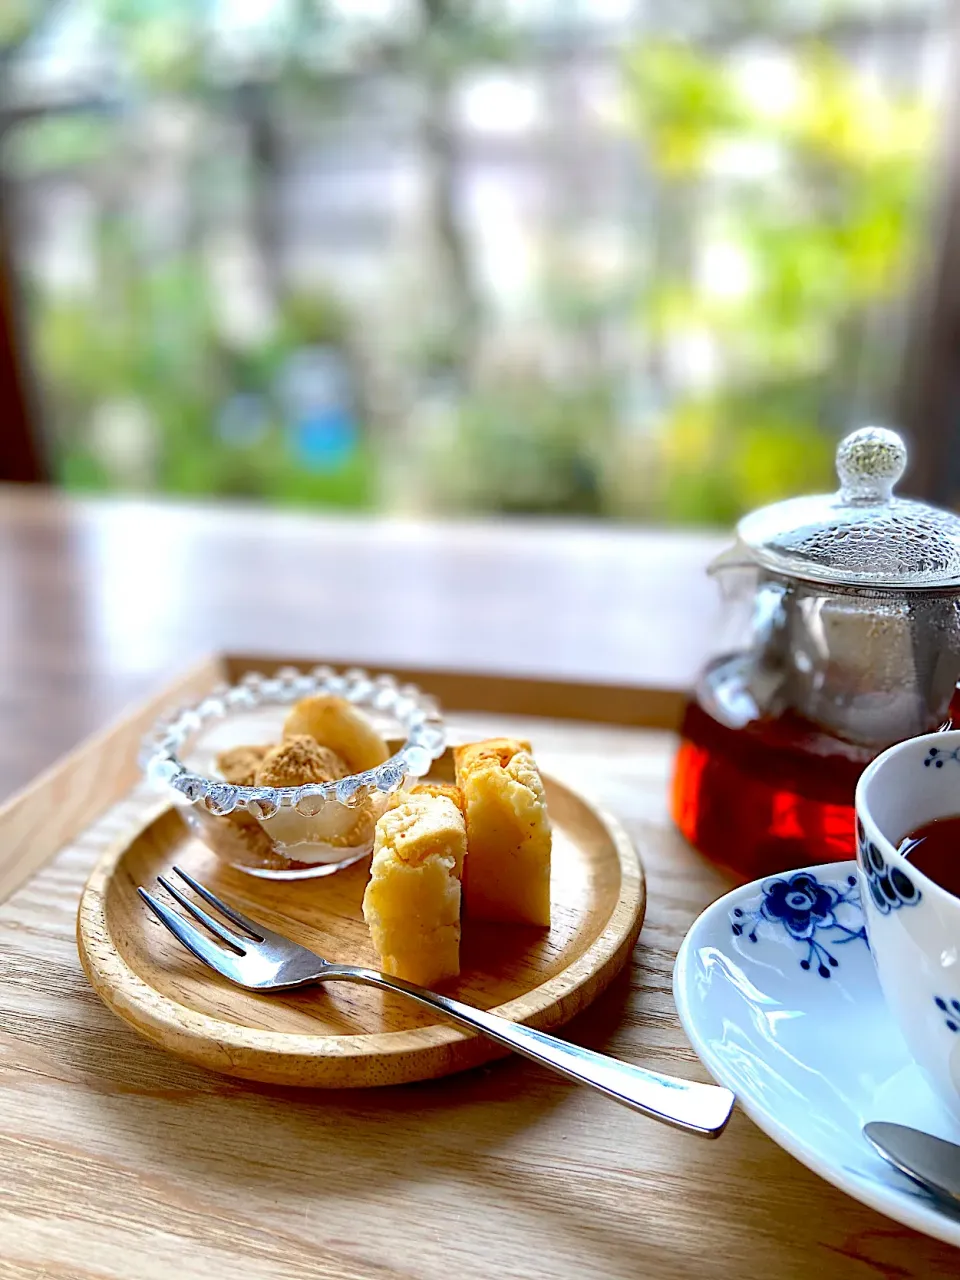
[841, 636]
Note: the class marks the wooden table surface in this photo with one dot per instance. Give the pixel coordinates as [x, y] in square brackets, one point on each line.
[104, 601]
[118, 1161]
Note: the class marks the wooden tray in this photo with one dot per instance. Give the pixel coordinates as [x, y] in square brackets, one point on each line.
[120, 1160]
[344, 1035]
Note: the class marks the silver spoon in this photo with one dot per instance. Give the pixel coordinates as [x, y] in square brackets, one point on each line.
[932, 1162]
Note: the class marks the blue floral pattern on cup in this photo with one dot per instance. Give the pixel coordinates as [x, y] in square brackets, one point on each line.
[938, 756]
[890, 887]
[950, 1011]
[806, 909]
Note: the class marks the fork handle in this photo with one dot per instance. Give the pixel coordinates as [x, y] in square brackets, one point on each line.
[703, 1109]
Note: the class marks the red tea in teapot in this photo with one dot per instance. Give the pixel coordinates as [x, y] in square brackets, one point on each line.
[767, 794]
[793, 786]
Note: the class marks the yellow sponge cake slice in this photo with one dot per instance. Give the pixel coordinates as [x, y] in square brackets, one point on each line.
[412, 901]
[506, 875]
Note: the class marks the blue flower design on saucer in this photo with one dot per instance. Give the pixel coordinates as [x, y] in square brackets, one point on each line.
[806, 909]
[938, 756]
[802, 903]
[951, 1013]
[890, 887]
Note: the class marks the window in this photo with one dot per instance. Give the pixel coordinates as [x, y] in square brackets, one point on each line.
[441, 256]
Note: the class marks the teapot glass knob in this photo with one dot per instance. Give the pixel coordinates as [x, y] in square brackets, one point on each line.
[869, 463]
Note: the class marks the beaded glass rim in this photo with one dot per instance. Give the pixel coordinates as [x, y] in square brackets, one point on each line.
[417, 712]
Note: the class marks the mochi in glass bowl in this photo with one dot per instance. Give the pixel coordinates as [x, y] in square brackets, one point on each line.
[295, 832]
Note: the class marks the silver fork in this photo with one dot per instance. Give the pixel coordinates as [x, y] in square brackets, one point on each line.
[262, 960]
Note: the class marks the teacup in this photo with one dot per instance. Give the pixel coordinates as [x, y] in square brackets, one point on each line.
[913, 923]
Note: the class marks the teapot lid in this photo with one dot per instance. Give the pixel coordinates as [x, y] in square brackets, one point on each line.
[862, 535]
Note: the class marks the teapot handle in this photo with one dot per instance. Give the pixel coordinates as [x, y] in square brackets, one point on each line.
[734, 557]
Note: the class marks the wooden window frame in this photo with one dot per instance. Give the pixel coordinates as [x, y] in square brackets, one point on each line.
[21, 453]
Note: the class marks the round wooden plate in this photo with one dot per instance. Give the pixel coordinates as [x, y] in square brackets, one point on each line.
[342, 1035]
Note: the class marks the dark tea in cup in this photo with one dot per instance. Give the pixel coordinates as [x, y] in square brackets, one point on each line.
[934, 849]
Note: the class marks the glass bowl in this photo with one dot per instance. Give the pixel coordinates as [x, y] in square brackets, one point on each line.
[289, 833]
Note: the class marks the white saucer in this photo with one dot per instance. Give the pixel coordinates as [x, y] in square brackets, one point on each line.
[794, 1023]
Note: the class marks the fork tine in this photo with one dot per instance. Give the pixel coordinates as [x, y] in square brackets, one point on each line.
[258, 932]
[231, 939]
[192, 938]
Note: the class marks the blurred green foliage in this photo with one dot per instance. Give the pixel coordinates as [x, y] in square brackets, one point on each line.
[681, 101]
[525, 445]
[152, 343]
[818, 234]
[823, 239]
[17, 18]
